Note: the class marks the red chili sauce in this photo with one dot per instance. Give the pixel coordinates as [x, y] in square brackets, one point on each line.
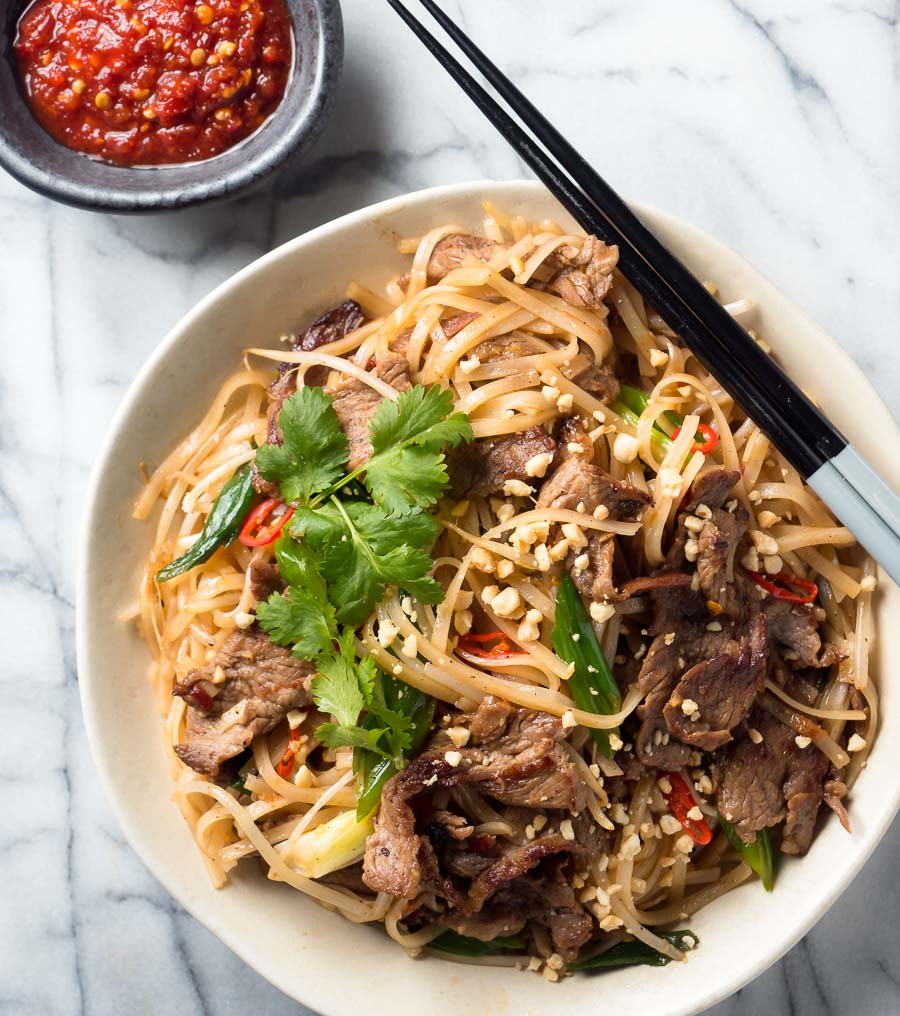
[143, 82]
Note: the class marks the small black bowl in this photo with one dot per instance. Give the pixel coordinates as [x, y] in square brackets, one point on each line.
[29, 153]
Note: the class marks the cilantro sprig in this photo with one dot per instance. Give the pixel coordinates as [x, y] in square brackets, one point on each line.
[341, 552]
[345, 688]
[360, 550]
[408, 438]
[406, 470]
[314, 451]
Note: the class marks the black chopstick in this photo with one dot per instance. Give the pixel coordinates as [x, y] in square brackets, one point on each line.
[760, 404]
[720, 326]
[803, 434]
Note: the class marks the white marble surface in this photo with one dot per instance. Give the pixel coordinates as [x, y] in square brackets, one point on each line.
[776, 126]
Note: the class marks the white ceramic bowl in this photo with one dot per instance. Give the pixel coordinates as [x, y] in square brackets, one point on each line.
[317, 957]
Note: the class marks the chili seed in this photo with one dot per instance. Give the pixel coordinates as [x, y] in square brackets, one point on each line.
[78, 86]
[226, 48]
[103, 100]
[198, 57]
[205, 14]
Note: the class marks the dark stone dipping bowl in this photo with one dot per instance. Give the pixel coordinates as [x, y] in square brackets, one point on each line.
[29, 153]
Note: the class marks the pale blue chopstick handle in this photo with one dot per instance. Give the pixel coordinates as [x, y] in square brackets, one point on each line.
[869, 485]
[864, 503]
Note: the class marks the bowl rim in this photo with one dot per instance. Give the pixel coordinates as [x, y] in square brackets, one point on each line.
[866, 840]
[211, 186]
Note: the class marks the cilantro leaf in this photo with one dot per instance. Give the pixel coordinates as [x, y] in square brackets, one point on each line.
[335, 689]
[298, 567]
[397, 729]
[420, 416]
[360, 549]
[297, 617]
[407, 477]
[344, 687]
[351, 737]
[407, 467]
[385, 731]
[314, 453]
[367, 675]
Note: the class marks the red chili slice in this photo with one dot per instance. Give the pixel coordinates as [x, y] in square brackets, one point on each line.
[263, 525]
[286, 764]
[680, 801]
[469, 644]
[786, 580]
[712, 438]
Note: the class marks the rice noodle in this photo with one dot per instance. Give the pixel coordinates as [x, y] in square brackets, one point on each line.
[514, 364]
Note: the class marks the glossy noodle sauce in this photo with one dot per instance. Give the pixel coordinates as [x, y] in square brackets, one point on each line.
[148, 82]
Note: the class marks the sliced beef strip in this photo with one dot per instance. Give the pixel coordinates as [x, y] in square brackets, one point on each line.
[678, 624]
[505, 347]
[763, 784]
[572, 442]
[718, 542]
[801, 685]
[331, 326]
[681, 640]
[513, 755]
[600, 381]
[723, 688]
[516, 884]
[684, 649]
[520, 762]
[453, 250]
[265, 579]
[794, 629]
[393, 862]
[662, 752]
[446, 826]
[597, 581]
[570, 929]
[514, 863]
[456, 323]
[577, 482]
[262, 683]
[481, 468]
[583, 277]
[542, 892]
[539, 890]
[835, 790]
[450, 327]
[489, 720]
[711, 488]
[355, 402]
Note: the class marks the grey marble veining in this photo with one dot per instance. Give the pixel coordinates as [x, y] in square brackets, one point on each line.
[776, 126]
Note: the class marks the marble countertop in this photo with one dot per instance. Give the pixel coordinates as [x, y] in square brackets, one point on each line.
[774, 126]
